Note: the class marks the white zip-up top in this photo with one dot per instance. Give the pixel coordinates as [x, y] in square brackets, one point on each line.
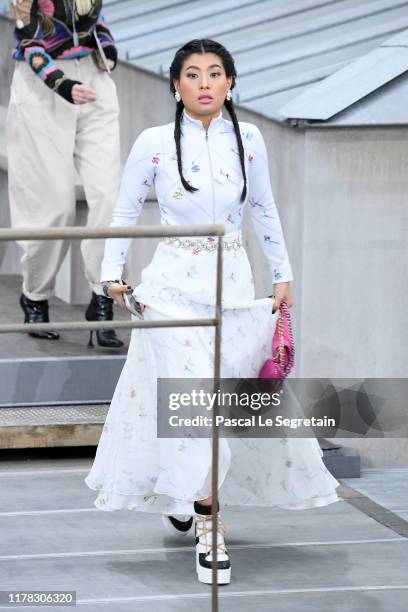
[211, 163]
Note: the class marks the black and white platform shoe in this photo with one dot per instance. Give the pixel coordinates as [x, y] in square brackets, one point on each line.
[177, 526]
[203, 538]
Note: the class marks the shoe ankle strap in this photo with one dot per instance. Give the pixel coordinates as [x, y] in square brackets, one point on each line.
[205, 530]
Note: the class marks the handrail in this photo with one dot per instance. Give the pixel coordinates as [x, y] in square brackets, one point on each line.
[139, 231]
[6, 328]
[134, 231]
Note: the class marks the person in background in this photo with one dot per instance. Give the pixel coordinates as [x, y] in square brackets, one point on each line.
[63, 116]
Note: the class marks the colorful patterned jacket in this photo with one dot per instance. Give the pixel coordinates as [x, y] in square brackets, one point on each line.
[44, 31]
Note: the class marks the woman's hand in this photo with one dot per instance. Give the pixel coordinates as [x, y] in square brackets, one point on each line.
[282, 293]
[116, 291]
[102, 66]
[82, 94]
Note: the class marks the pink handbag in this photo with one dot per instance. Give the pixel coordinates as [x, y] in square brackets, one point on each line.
[283, 348]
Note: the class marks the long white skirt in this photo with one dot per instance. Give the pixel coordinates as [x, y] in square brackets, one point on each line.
[135, 469]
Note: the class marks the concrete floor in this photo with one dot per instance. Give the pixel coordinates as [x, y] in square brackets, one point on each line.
[390, 492]
[70, 344]
[334, 559]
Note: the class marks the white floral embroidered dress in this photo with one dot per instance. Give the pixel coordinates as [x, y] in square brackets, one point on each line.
[133, 468]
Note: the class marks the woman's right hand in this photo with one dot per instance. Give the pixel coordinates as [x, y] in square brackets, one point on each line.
[116, 291]
[82, 94]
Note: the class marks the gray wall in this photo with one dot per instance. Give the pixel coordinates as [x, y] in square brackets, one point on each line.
[355, 273]
[354, 299]
[6, 64]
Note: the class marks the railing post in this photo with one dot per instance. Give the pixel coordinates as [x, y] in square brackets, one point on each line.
[215, 437]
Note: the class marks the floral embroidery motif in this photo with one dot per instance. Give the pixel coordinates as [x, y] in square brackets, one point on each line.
[192, 272]
[253, 203]
[150, 499]
[269, 239]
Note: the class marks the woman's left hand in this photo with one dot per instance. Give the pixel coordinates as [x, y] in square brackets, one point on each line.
[282, 293]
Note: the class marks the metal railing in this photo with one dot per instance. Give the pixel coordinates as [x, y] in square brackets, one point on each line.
[151, 231]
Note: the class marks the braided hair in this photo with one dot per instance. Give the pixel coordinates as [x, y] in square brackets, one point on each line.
[205, 45]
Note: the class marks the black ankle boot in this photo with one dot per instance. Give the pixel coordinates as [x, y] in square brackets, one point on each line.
[100, 309]
[36, 311]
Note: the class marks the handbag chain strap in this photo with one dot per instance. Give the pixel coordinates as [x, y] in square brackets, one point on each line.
[281, 340]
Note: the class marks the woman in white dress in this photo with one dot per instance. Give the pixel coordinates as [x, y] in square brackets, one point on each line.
[205, 169]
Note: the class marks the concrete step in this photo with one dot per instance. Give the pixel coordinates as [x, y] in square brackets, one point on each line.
[46, 380]
[341, 461]
[42, 372]
[51, 426]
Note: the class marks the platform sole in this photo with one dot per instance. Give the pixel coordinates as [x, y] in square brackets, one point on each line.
[205, 574]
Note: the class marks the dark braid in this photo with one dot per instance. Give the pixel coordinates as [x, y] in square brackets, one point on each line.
[177, 138]
[205, 45]
[230, 108]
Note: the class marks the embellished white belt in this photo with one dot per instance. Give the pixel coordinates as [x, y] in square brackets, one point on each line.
[205, 244]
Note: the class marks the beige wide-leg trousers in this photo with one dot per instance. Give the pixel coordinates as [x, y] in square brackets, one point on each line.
[47, 138]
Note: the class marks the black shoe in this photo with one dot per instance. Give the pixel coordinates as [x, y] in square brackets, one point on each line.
[36, 311]
[177, 527]
[100, 309]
